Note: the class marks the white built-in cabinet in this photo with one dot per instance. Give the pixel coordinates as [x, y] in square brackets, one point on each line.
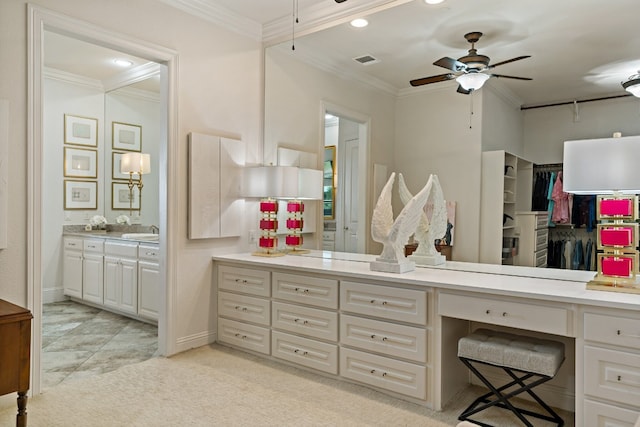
[506, 188]
[532, 228]
[122, 276]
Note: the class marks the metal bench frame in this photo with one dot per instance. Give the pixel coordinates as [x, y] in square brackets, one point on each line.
[502, 400]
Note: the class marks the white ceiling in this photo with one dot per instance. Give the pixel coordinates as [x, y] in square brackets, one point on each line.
[579, 48]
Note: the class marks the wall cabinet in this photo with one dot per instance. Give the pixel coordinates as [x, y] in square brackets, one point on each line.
[107, 273]
[506, 188]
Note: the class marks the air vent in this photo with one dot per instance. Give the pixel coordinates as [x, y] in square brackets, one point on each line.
[366, 59]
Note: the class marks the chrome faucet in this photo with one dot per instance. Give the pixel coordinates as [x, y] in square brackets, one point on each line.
[155, 229]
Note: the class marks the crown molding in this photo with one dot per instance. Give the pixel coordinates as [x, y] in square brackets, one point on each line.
[132, 76]
[74, 79]
[219, 15]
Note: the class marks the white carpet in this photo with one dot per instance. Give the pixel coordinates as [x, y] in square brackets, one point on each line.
[217, 386]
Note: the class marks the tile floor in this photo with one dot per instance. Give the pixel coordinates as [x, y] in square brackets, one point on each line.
[80, 341]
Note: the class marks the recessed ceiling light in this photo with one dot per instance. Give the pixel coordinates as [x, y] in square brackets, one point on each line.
[433, 1]
[123, 62]
[359, 23]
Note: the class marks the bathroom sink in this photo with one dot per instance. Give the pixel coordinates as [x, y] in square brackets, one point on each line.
[141, 236]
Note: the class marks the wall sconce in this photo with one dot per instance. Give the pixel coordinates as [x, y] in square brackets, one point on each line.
[607, 167]
[135, 164]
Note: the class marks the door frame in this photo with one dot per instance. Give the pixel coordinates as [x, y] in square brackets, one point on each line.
[364, 189]
[39, 20]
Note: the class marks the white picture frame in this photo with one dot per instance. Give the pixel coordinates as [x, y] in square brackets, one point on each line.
[80, 195]
[126, 137]
[80, 163]
[80, 130]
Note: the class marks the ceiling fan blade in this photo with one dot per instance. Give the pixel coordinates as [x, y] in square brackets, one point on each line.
[463, 90]
[432, 79]
[509, 60]
[502, 76]
[450, 64]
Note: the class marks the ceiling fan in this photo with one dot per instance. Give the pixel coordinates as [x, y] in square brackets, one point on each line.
[469, 70]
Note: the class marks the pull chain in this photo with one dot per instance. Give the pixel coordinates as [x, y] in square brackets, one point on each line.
[294, 21]
[471, 110]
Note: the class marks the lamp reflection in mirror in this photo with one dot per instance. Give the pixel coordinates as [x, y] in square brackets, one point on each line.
[607, 167]
[135, 164]
[632, 85]
[472, 81]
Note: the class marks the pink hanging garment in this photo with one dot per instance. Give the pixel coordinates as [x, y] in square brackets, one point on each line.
[561, 203]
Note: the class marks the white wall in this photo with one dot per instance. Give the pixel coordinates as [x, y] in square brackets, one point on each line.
[502, 122]
[219, 91]
[546, 129]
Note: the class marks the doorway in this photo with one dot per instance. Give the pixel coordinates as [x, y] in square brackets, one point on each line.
[40, 21]
[348, 131]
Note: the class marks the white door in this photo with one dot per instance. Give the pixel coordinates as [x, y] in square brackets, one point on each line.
[350, 199]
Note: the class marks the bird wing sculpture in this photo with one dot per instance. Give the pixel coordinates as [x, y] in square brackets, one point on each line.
[394, 234]
[421, 231]
[438, 220]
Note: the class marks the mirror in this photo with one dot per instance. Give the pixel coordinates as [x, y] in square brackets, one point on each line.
[329, 177]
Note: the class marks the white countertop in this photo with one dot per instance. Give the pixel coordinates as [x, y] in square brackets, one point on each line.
[543, 284]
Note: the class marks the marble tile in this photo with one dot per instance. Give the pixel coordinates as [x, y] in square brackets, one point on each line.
[80, 342]
[64, 361]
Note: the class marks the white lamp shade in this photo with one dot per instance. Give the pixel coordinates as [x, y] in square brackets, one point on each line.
[472, 81]
[282, 182]
[138, 163]
[602, 166]
[309, 184]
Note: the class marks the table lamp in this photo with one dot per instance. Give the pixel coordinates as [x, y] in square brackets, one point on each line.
[607, 167]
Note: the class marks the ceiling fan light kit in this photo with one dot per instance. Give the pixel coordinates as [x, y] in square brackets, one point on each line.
[470, 70]
[632, 85]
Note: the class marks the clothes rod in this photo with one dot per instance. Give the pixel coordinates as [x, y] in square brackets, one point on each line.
[573, 102]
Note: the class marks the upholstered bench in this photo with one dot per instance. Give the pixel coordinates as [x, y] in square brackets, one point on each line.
[528, 361]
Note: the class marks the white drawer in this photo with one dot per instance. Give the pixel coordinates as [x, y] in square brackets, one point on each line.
[72, 243]
[128, 250]
[598, 414]
[245, 280]
[306, 290]
[149, 252]
[244, 335]
[391, 339]
[405, 305]
[93, 245]
[623, 331]
[400, 377]
[542, 238]
[245, 308]
[306, 321]
[328, 246]
[612, 375]
[542, 220]
[541, 258]
[305, 352]
[533, 317]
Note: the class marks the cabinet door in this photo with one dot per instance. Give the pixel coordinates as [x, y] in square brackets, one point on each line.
[129, 285]
[72, 273]
[148, 289]
[111, 286]
[92, 277]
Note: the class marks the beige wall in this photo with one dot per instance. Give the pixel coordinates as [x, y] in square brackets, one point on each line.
[219, 90]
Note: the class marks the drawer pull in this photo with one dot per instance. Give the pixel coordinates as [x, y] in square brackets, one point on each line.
[151, 253]
[488, 311]
[619, 378]
[241, 336]
[504, 314]
[304, 322]
[619, 332]
[243, 281]
[304, 291]
[297, 351]
[240, 308]
[71, 244]
[373, 371]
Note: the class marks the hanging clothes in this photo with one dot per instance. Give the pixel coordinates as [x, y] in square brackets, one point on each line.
[578, 255]
[561, 214]
[550, 202]
[587, 255]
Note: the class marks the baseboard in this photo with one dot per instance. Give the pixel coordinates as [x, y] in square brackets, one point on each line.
[554, 396]
[195, 340]
[53, 295]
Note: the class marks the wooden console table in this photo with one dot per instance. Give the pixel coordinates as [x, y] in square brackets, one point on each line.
[15, 355]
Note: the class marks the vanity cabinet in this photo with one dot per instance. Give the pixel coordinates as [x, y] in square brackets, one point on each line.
[93, 271]
[611, 365]
[121, 276]
[506, 187]
[149, 297]
[72, 267]
[114, 274]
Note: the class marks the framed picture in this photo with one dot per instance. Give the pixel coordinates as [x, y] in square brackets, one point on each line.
[80, 130]
[80, 163]
[126, 137]
[80, 195]
[120, 197]
[115, 166]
